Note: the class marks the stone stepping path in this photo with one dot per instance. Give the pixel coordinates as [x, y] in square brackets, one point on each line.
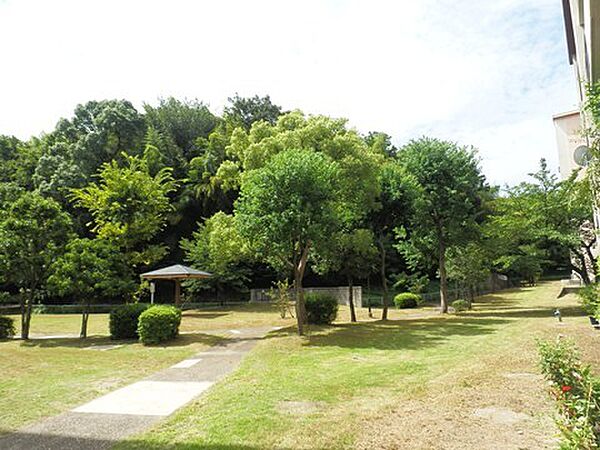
[99, 424]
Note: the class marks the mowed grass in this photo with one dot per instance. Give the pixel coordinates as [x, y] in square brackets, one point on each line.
[43, 377]
[416, 381]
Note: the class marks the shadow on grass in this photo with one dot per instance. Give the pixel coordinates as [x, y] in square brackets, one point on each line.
[491, 311]
[401, 334]
[526, 313]
[100, 342]
[22, 440]
[196, 314]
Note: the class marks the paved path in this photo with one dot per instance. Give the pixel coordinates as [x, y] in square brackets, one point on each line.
[102, 422]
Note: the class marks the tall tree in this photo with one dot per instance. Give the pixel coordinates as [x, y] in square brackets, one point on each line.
[129, 207]
[244, 111]
[183, 123]
[544, 224]
[89, 270]
[33, 232]
[99, 132]
[218, 248]
[448, 201]
[469, 265]
[392, 211]
[288, 209]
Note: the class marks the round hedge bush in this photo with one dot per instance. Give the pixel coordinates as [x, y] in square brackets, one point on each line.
[123, 320]
[407, 300]
[460, 305]
[7, 327]
[159, 323]
[320, 308]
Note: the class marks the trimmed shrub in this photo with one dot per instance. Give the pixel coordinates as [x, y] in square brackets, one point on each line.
[320, 308]
[7, 327]
[460, 305]
[407, 300]
[123, 320]
[159, 323]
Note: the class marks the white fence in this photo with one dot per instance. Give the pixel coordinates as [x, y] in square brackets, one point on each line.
[341, 293]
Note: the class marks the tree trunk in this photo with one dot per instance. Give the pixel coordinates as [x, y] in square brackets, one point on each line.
[298, 276]
[351, 299]
[369, 296]
[84, 320]
[26, 308]
[471, 296]
[443, 278]
[384, 312]
[593, 264]
[582, 271]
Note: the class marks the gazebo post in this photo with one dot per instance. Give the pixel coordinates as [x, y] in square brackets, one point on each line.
[177, 292]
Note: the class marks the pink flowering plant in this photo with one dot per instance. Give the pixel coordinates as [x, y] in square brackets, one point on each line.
[577, 394]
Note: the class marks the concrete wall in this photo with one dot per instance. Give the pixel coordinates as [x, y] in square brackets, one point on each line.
[342, 293]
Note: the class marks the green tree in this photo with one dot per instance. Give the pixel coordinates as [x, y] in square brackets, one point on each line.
[89, 270]
[356, 162]
[244, 111]
[354, 255]
[469, 265]
[218, 248]
[99, 132]
[392, 212]
[544, 224]
[447, 203]
[288, 209]
[129, 207]
[181, 123]
[381, 143]
[33, 232]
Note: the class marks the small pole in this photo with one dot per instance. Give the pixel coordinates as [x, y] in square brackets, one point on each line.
[558, 315]
[152, 290]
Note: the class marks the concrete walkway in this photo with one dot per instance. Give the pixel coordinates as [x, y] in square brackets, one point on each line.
[102, 422]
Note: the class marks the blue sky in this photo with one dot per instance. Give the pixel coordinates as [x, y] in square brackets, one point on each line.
[489, 73]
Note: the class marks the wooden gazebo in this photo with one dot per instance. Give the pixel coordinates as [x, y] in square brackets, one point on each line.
[176, 273]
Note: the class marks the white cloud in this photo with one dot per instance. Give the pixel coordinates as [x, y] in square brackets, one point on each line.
[488, 73]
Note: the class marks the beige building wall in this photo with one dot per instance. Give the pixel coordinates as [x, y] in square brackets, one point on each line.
[569, 137]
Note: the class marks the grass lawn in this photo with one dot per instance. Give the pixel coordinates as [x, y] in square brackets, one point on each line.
[418, 381]
[43, 377]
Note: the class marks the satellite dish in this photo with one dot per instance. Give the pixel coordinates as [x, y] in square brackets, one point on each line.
[582, 155]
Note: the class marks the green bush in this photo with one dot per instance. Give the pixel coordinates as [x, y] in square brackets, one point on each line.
[159, 323]
[123, 320]
[460, 305]
[7, 327]
[407, 300]
[577, 394]
[589, 298]
[320, 308]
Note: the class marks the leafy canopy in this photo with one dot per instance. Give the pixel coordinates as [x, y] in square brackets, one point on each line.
[218, 248]
[129, 206]
[33, 231]
[89, 270]
[288, 204]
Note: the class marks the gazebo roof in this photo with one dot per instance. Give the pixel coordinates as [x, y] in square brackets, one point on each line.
[176, 272]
